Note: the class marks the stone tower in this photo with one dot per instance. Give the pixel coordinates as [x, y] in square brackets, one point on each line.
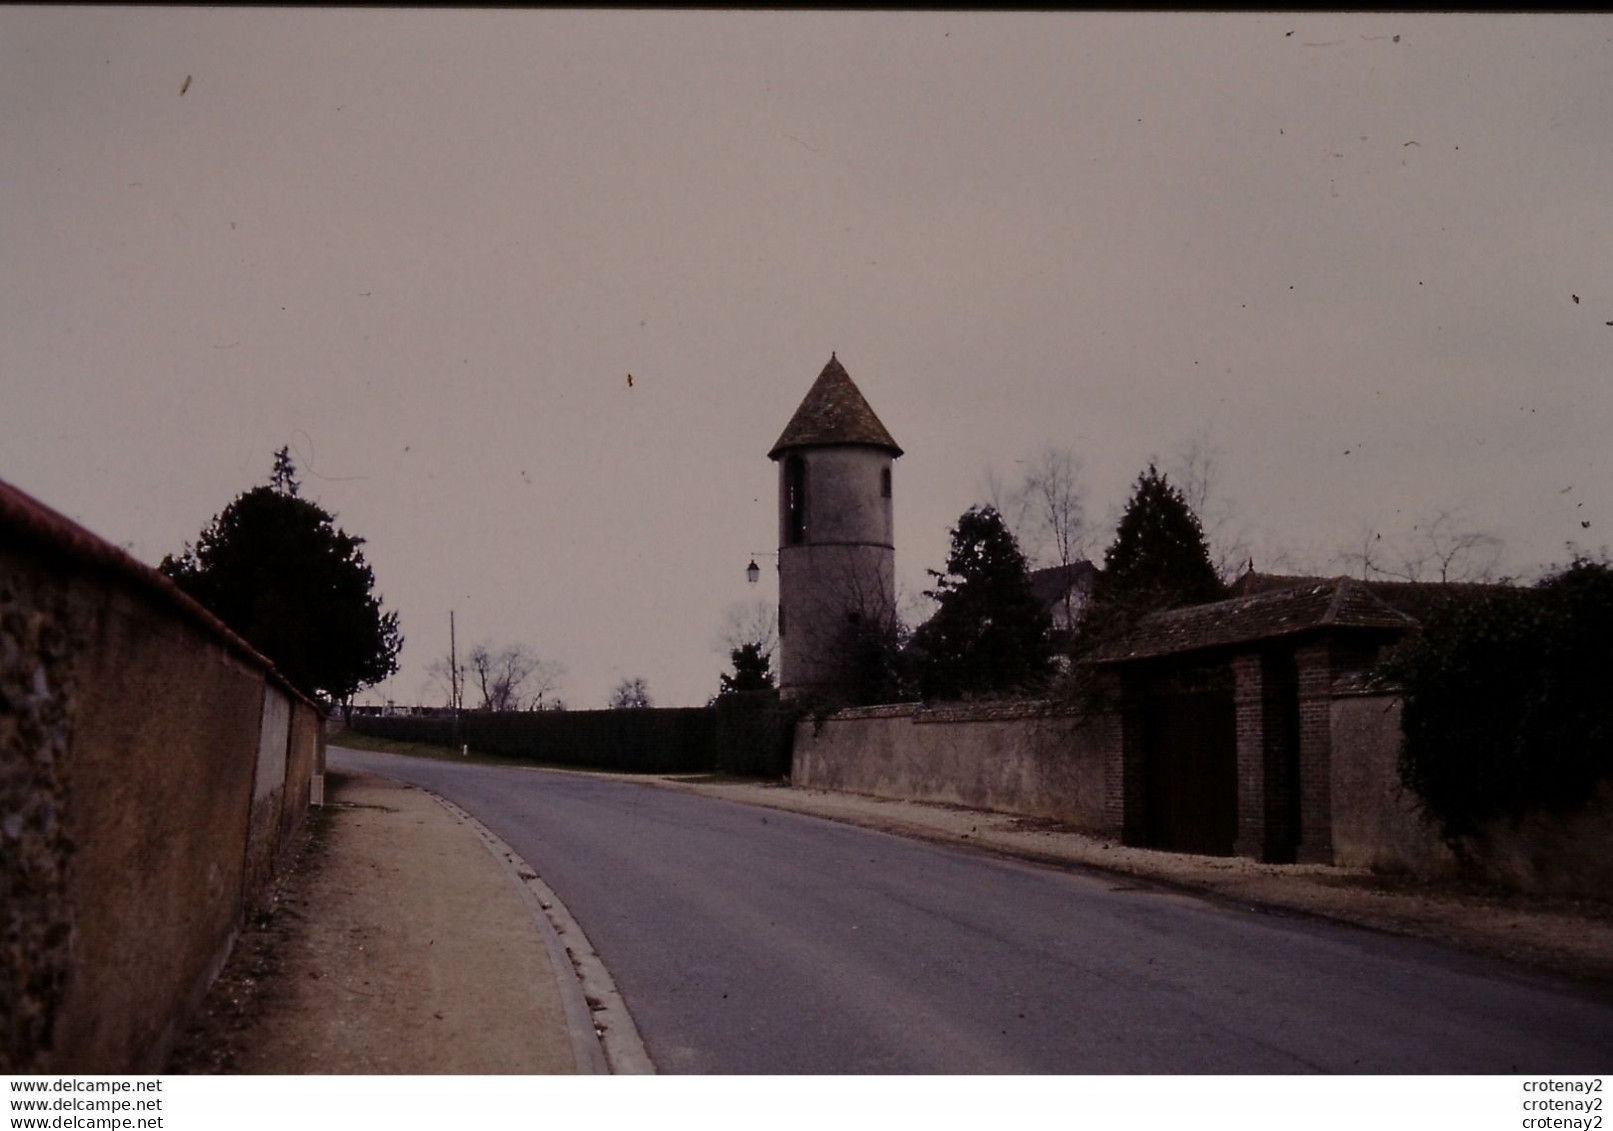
[837, 555]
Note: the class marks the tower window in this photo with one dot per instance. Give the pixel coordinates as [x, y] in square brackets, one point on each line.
[885, 482]
[794, 500]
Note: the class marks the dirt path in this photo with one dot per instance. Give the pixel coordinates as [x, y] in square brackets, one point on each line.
[397, 944]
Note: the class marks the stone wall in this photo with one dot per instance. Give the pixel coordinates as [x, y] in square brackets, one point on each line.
[1025, 759]
[1029, 760]
[1377, 824]
[1376, 821]
[1570, 854]
[153, 769]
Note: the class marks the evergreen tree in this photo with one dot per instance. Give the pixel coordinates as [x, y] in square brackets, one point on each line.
[284, 476]
[752, 671]
[989, 635]
[1159, 560]
[279, 573]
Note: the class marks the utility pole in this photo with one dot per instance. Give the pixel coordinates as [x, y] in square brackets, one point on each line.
[453, 674]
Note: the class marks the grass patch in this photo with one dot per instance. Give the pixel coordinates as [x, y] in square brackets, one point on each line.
[353, 740]
[717, 777]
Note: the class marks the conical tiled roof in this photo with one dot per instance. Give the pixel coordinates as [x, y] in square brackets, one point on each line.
[834, 412]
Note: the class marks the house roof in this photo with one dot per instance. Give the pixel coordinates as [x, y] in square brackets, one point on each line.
[1051, 584]
[1417, 599]
[834, 412]
[1339, 603]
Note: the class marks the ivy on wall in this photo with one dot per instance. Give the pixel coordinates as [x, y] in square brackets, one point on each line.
[1509, 701]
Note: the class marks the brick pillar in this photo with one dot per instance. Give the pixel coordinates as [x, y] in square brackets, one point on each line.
[1249, 707]
[1132, 723]
[1109, 729]
[1314, 668]
[1122, 729]
[1282, 757]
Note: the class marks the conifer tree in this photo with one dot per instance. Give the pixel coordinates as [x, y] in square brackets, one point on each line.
[753, 670]
[1158, 560]
[276, 570]
[989, 635]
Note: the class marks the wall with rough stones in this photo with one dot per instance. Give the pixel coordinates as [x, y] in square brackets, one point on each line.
[1377, 823]
[1376, 820]
[1022, 758]
[153, 771]
[1030, 760]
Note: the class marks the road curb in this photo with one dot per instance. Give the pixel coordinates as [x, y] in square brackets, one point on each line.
[604, 1038]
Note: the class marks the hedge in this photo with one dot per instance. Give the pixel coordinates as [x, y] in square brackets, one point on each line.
[746, 734]
[1509, 701]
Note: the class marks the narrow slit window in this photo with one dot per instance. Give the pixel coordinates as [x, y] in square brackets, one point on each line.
[885, 483]
[795, 500]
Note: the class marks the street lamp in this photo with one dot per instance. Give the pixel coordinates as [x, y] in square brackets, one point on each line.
[753, 571]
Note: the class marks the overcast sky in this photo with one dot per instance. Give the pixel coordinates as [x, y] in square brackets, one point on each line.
[1367, 258]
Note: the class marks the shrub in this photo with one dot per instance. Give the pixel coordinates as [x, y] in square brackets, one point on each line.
[1507, 704]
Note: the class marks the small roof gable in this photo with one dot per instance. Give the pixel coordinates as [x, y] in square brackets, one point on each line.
[834, 412]
[1340, 603]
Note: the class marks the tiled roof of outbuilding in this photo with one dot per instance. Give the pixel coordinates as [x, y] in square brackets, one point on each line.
[834, 412]
[1417, 599]
[1339, 603]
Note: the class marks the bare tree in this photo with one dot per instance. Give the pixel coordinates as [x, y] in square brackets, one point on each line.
[1045, 510]
[1196, 471]
[752, 623]
[509, 679]
[445, 680]
[1306, 561]
[1011, 500]
[1055, 521]
[1364, 554]
[631, 694]
[1442, 546]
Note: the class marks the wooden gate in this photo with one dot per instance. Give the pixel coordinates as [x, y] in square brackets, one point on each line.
[1190, 760]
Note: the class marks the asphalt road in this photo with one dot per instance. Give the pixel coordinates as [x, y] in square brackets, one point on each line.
[747, 940]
